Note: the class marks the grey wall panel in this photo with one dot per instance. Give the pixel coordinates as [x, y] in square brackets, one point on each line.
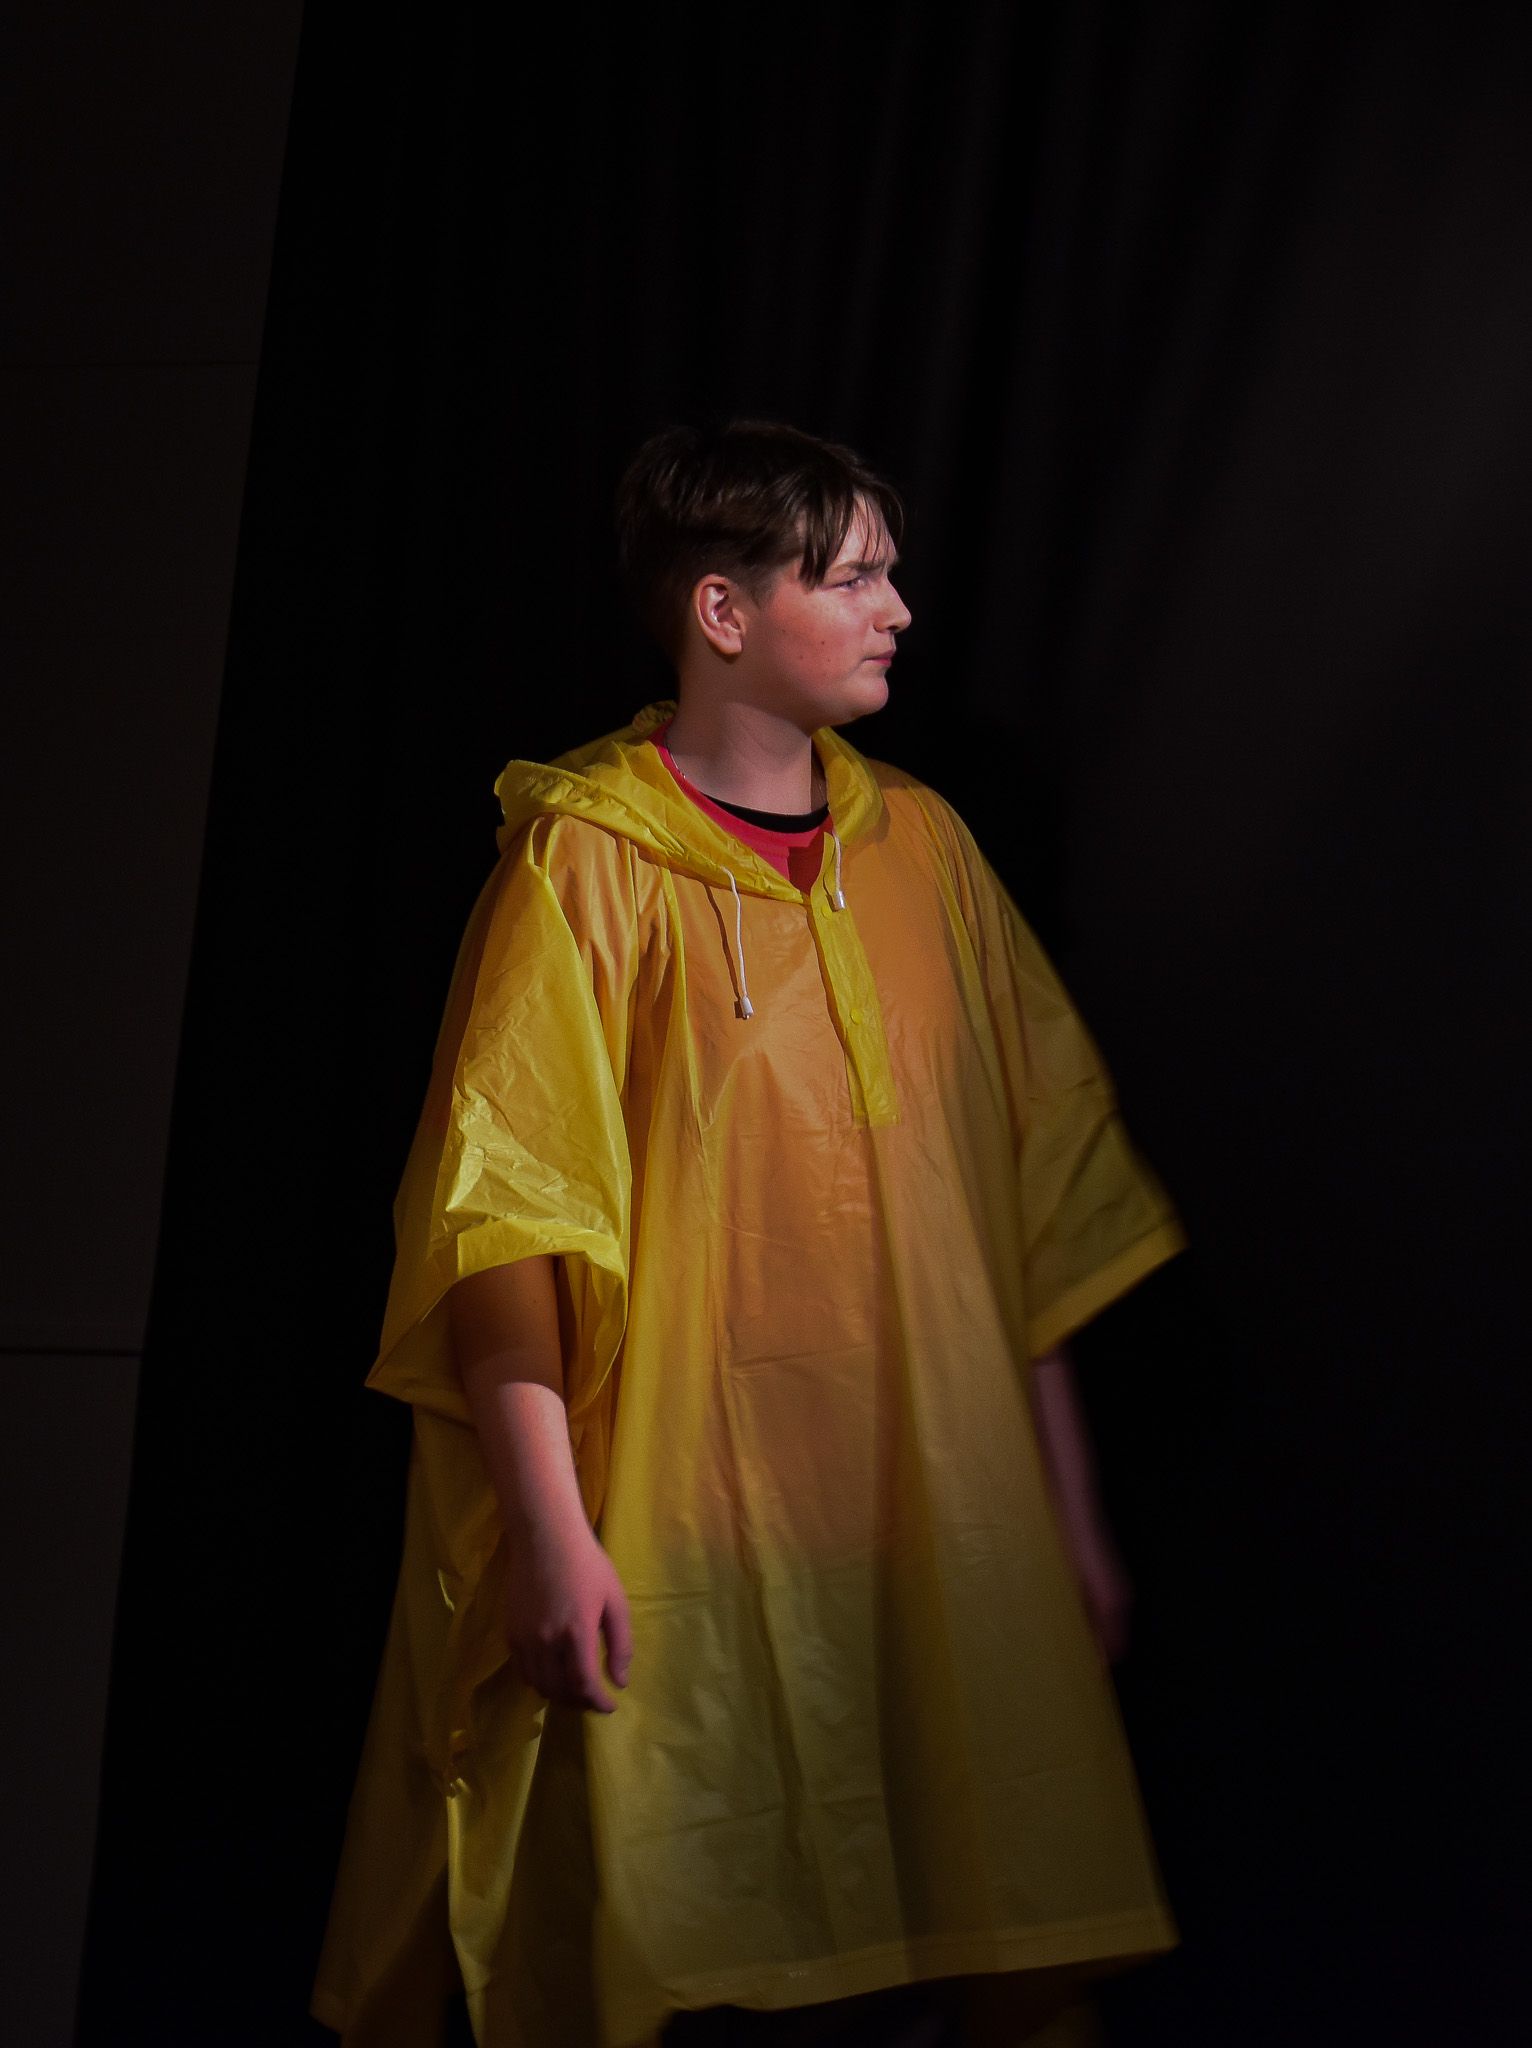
[118, 612]
[147, 142]
[144, 150]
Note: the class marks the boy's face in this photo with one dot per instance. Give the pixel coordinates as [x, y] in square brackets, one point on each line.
[817, 655]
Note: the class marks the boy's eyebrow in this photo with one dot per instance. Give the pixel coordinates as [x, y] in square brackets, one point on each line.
[877, 562]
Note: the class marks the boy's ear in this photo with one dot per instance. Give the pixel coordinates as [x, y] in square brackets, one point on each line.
[716, 609]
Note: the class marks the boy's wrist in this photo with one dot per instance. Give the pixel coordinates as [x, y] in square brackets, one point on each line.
[551, 1524]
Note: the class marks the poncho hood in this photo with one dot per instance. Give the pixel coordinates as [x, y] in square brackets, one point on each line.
[620, 783]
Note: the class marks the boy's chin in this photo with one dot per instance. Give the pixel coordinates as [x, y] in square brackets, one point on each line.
[863, 691]
[870, 690]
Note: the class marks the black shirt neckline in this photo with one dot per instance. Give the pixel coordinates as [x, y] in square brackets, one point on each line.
[773, 821]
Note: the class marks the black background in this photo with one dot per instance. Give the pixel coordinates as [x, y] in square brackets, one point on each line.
[1198, 340]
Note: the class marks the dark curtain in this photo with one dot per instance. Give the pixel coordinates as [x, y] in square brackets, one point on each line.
[1199, 340]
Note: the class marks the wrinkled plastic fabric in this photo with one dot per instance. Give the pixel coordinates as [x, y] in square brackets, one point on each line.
[804, 1259]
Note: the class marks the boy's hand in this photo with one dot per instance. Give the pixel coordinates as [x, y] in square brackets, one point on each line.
[565, 1595]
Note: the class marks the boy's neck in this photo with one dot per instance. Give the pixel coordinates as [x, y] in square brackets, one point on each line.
[743, 755]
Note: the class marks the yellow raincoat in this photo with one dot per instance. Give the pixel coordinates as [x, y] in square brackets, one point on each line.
[823, 1170]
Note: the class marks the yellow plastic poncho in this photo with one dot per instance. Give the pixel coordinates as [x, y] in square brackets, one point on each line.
[823, 1170]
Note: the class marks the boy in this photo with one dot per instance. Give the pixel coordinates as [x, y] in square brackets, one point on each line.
[764, 1168]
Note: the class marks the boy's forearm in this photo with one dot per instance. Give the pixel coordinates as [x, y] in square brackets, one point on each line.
[1066, 1446]
[1065, 1439]
[504, 1331]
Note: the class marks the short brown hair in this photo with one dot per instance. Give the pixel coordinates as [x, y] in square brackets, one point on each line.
[746, 498]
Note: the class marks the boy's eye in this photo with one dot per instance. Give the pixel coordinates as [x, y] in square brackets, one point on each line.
[851, 582]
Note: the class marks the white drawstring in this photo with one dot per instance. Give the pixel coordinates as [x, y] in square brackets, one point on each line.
[837, 899]
[746, 1007]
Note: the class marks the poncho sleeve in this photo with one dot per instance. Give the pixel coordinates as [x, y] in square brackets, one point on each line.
[521, 1147]
[1095, 1218]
